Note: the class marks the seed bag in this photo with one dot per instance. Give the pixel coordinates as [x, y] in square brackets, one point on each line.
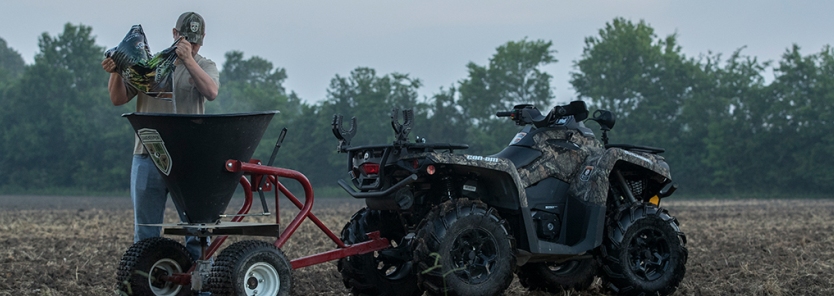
[150, 74]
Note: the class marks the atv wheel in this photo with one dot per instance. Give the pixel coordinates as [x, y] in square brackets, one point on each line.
[145, 265]
[552, 277]
[644, 252]
[380, 272]
[464, 248]
[251, 267]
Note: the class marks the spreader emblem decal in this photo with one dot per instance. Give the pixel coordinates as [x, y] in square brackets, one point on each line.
[156, 149]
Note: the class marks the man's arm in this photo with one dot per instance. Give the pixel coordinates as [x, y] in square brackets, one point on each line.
[205, 85]
[116, 86]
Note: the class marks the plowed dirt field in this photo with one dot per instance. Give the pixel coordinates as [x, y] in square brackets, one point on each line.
[53, 245]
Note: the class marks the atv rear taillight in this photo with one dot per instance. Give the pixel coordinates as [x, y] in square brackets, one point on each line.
[370, 168]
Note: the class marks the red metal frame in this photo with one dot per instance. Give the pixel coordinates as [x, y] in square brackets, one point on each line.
[258, 171]
[185, 278]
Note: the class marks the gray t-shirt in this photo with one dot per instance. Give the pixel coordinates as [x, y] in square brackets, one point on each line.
[187, 98]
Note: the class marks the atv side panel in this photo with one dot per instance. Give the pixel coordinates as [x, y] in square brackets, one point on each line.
[562, 153]
[581, 230]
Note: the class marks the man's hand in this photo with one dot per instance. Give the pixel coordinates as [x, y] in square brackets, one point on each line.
[184, 49]
[108, 65]
[199, 78]
[115, 85]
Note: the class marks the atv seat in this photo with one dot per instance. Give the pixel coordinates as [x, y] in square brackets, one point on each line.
[637, 148]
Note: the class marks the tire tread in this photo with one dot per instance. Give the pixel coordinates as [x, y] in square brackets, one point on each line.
[612, 270]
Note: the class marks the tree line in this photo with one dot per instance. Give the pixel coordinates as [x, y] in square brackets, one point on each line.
[725, 128]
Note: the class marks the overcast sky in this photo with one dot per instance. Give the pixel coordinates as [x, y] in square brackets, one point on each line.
[431, 40]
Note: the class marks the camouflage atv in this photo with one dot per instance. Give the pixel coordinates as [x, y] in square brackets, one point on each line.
[557, 207]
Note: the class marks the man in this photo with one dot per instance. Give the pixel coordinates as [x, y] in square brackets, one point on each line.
[195, 80]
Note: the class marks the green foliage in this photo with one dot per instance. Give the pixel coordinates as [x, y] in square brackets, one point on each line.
[513, 76]
[11, 65]
[255, 85]
[446, 123]
[60, 130]
[650, 86]
[725, 130]
[801, 110]
[730, 123]
[629, 71]
[368, 97]
[771, 138]
[250, 85]
[371, 99]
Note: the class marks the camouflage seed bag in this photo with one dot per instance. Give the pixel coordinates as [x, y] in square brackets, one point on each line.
[150, 74]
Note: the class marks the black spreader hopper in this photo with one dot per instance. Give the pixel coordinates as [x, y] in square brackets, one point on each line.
[191, 150]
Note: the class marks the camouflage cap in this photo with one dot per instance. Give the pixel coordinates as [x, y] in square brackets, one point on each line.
[192, 26]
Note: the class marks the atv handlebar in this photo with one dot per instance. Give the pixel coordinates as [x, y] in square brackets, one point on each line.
[528, 114]
[577, 109]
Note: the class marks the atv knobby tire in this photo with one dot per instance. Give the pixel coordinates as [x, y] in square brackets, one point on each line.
[374, 273]
[644, 252]
[463, 248]
[146, 262]
[251, 267]
[557, 277]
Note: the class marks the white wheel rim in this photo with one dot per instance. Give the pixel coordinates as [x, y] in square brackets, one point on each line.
[168, 288]
[262, 279]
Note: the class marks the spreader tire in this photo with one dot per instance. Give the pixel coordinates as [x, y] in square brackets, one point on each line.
[463, 248]
[251, 267]
[644, 252]
[146, 262]
[557, 277]
[374, 273]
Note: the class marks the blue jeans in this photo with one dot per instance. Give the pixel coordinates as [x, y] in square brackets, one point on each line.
[149, 195]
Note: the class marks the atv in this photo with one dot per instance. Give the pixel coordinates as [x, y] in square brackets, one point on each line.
[556, 207]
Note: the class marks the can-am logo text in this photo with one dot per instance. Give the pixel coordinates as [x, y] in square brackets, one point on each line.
[477, 157]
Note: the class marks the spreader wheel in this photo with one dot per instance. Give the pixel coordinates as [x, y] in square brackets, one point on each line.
[147, 263]
[251, 267]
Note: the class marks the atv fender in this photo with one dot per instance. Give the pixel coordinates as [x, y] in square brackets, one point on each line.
[591, 184]
[507, 173]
